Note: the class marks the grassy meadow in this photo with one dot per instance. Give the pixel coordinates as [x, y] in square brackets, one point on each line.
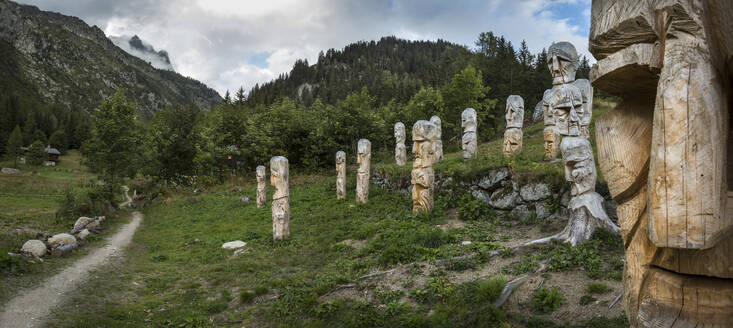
[346, 264]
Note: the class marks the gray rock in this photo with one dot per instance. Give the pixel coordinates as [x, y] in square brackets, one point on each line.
[535, 191]
[244, 199]
[10, 170]
[49, 163]
[83, 234]
[62, 239]
[541, 210]
[504, 199]
[480, 194]
[492, 180]
[520, 212]
[81, 221]
[34, 247]
[234, 244]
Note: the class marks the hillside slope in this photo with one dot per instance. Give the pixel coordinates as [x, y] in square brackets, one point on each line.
[61, 59]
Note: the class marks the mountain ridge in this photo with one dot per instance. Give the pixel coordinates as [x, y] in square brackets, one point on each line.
[63, 60]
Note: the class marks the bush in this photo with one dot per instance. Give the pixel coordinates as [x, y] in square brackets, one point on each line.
[597, 288]
[587, 299]
[473, 209]
[546, 300]
[87, 201]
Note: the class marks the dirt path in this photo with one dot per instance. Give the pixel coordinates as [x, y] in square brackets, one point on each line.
[31, 308]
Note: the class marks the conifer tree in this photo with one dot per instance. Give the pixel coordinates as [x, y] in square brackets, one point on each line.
[15, 141]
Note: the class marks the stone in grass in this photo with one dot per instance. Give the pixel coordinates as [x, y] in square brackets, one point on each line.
[9, 170]
[62, 239]
[466, 242]
[34, 247]
[234, 244]
[83, 234]
[82, 221]
[244, 199]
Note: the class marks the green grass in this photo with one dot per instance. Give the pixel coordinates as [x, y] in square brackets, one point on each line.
[177, 275]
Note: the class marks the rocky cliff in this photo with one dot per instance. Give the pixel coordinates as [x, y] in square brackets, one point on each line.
[60, 59]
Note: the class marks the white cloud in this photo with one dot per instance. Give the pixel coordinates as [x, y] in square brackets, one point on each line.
[215, 41]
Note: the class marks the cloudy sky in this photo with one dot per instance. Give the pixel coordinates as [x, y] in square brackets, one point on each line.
[232, 43]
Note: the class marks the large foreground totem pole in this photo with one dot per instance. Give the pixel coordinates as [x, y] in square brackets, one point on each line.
[424, 134]
[364, 149]
[400, 151]
[665, 152]
[261, 186]
[279, 178]
[514, 122]
[438, 135]
[469, 142]
[340, 174]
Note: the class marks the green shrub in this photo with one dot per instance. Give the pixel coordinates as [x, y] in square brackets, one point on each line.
[597, 288]
[546, 300]
[587, 299]
[92, 200]
[526, 264]
[12, 265]
[36, 153]
[473, 209]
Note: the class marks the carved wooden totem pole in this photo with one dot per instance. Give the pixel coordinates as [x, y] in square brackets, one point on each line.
[340, 175]
[261, 186]
[279, 178]
[562, 59]
[438, 135]
[469, 142]
[424, 134]
[665, 152]
[552, 138]
[362, 175]
[400, 151]
[514, 121]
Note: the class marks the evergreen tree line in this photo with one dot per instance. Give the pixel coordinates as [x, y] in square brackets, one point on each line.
[55, 125]
[312, 112]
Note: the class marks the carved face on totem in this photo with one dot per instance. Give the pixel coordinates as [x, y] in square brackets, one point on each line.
[562, 60]
[512, 142]
[566, 102]
[340, 157]
[399, 132]
[468, 120]
[279, 176]
[423, 135]
[551, 142]
[580, 169]
[364, 149]
[514, 111]
[546, 109]
[436, 121]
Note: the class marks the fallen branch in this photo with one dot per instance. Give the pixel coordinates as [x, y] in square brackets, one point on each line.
[508, 289]
[83, 226]
[377, 274]
[615, 300]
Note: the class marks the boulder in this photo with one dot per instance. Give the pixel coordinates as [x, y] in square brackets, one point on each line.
[92, 223]
[49, 163]
[244, 199]
[34, 247]
[234, 244]
[10, 170]
[492, 180]
[520, 212]
[542, 210]
[504, 199]
[83, 234]
[466, 243]
[62, 239]
[534, 191]
[480, 194]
